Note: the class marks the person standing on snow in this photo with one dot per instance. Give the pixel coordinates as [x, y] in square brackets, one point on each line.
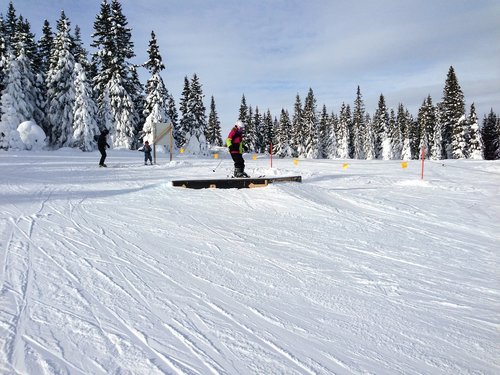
[235, 144]
[147, 153]
[101, 146]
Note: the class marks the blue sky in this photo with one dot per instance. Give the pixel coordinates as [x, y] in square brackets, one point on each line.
[272, 50]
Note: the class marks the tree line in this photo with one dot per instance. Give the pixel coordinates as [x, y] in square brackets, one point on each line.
[73, 95]
[441, 131]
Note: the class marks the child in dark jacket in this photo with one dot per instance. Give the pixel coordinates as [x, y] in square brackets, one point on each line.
[147, 153]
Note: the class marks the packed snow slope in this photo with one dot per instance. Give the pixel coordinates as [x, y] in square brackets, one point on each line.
[360, 269]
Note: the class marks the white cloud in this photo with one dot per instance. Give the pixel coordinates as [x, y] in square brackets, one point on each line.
[270, 50]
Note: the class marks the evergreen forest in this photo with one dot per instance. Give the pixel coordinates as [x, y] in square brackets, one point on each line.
[73, 94]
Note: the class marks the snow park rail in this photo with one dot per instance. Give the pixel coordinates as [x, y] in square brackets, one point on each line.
[234, 183]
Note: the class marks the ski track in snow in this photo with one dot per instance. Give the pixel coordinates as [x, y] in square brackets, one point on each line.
[360, 271]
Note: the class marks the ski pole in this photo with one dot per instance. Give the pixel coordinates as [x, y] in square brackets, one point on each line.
[217, 165]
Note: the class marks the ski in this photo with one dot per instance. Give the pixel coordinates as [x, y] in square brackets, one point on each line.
[261, 176]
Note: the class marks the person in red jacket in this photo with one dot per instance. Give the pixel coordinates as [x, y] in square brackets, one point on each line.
[236, 146]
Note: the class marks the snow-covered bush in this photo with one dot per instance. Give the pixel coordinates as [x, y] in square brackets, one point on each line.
[32, 135]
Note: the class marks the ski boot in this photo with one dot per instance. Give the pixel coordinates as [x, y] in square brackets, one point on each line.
[240, 173]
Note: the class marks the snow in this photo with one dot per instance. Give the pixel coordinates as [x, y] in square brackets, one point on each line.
[358, 270]
[32, 135]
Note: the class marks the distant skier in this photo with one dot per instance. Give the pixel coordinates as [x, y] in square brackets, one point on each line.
[147, 153]
[236, 147]
[101, 145]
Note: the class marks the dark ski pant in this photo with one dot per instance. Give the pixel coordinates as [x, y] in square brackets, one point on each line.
[103, 156]
[147, 156]
[239, 163]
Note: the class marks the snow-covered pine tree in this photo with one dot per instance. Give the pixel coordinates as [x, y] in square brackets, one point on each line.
[26, 45]
[369, 138]
[7, 35]
[112, 40]
[174, 118]
[5, 48]
[404, 124]
[310, 124]
[380, 125]
[437, 152]
[105, 117]
[138, 94]
[358, 126]
[343, 133]
[331, 151]
[122, 113]
[426, 120]
[85, 113]
[45, 47]
[453, 116]
[395, 136]
[243, 110]
[297, 128]
[476, 148]
[29, 91]
[274, 131]
[260, 131]
[60, 87]
[79, 51]
[156, 103]
[10, 26]
[3, 55]
[465, 138]
[387, 144]
[250, 130]
[187, 118]
[14, 105]
[323, 133]
[283, 136]
[214, 136]
[198, 107]
[128, 82]
[25, 39]
[460, 139]
[17, 39]
[498, 138]
[491, 136]
[245, 117]
[261, 134]
[413, 134]
[195, 119]
[268, 129]
[102, 58]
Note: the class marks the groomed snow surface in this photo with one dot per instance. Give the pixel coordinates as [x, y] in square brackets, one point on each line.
[359, 270]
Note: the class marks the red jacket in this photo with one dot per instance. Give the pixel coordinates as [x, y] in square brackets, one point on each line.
[235, 141]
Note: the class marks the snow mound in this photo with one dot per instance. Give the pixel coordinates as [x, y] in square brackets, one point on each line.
[32, 135]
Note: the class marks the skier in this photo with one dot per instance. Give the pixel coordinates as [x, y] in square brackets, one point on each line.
[147, 153]
[101, 145]
[236, 146]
